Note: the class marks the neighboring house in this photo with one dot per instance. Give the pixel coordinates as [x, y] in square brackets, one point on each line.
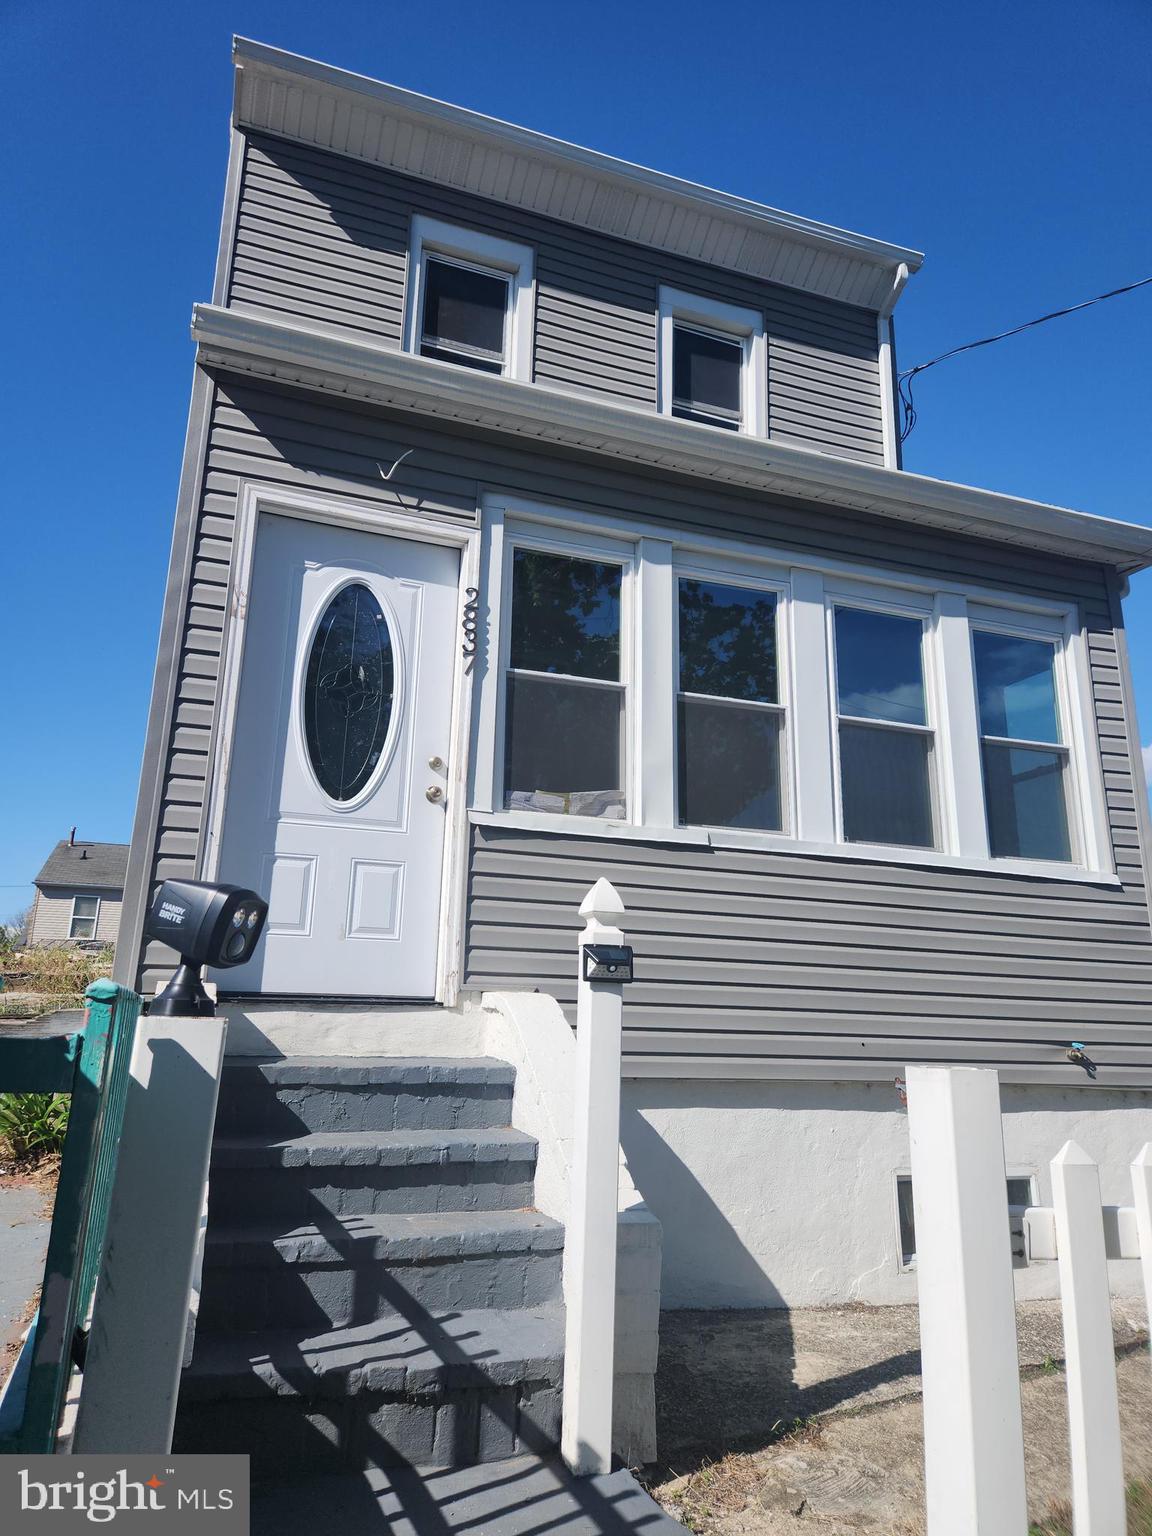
[542, 518]
[79, 893]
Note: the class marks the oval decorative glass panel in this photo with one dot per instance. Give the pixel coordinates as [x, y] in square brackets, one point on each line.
[348, 692]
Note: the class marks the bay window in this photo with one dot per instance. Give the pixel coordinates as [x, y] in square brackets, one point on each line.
[884, 735]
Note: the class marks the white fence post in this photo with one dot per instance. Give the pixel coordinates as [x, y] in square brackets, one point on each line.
[1142, 1199]
[1093, 1409]
[140, 1318]
[973, 1440]
[590, 1243]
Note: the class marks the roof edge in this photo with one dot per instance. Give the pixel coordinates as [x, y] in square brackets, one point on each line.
[308, 355]
[620, 174]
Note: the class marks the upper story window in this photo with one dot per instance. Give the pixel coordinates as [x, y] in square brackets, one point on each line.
[729, 717]
[564, 702]
[712, 363]
[884, 737]
[469, 299]
[1025, 758]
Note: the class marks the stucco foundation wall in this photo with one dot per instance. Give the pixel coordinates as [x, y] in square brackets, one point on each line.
[777, 1193]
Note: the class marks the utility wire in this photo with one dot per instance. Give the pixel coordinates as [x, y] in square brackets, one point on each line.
[904, 380]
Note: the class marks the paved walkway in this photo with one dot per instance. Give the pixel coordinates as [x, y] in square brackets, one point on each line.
[24, 1228]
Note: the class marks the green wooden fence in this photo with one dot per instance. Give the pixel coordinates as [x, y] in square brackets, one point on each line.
[92, 1065]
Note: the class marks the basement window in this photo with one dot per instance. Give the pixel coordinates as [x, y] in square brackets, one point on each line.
[1021, 1194]
[469, 299]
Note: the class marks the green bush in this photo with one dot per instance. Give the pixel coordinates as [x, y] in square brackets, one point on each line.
[33, 1124]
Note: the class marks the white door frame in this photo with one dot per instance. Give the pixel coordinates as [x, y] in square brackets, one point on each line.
[255, 498]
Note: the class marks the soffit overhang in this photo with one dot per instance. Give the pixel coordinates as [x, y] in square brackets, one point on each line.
[312, 103]
[337, 364]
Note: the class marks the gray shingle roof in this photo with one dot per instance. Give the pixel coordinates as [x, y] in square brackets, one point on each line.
[79, 863]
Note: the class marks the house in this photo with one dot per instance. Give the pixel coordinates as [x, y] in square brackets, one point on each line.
[542, 519]
[79, 893]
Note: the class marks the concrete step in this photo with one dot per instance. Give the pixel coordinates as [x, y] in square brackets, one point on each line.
[524, 1496]
[362, 1269]
[352, 1173]
[442, 1389]
[292, 1095]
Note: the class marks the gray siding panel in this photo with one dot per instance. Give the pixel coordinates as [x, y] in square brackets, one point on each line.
[797, 962]
[325, 239]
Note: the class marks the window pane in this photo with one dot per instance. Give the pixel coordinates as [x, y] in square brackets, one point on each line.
[907, 1220]
[85, 906]
[348, 692]
[1020, 1192]
[563, 747]
[464, 311]
[885, 786]
[1017, 688]
[727, 641]
[880, 666]
[706, 373]
[565, 615]
[1027, 813]
[729, 766]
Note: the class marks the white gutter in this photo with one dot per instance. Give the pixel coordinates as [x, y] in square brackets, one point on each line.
[296, 353]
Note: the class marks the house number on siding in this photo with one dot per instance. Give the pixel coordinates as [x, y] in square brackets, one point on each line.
[469, 622]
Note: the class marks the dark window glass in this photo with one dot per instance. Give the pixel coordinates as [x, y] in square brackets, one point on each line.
[563, 747]
[1016, 682]
[727, 641]
[706, 374]
[885, 785]
[729, 765]
[1027, 810]
[879, 666]
[464, 315]
[1019, 1192]
[348, 692]
[565, 615]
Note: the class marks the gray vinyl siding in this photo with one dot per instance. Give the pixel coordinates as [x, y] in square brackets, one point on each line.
[52, 914]
[797, 964]
[324, 239]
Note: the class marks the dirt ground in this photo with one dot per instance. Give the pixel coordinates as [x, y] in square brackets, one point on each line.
[778, 1423]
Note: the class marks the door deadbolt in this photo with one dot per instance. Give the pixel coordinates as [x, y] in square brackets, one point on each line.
[434, 793]
[435, 763]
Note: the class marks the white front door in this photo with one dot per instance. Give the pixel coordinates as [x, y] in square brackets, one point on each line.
[337, 778]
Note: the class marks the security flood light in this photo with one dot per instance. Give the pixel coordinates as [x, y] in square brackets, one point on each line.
[216, 925]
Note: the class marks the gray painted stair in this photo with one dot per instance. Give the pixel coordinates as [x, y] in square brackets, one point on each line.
[525, 1496]
[363, 1268]
[354, 1173]
[377, 1290]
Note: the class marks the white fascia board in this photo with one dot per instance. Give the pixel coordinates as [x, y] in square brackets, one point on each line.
[323, 359]
[313, 102]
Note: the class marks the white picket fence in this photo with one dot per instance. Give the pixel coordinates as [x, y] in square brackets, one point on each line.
[973, 1441]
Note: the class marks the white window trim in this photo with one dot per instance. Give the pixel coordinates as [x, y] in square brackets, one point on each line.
[506, 257]
[590, 547]
[808, 584]
[746, 325]
[93, 918]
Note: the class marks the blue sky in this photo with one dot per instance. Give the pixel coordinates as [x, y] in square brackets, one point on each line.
[1011, 143]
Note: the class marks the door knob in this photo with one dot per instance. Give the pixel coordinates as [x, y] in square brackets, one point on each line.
[434, 793]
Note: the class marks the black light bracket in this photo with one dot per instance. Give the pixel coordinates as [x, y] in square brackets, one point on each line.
[184, 997]
[607, 962]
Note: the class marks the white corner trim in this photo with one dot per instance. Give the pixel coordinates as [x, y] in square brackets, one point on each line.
[744, 325]
[325, 358]
[506, 257]
[302, 99]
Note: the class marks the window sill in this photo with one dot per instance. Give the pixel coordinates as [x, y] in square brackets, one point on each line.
[770, 842]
